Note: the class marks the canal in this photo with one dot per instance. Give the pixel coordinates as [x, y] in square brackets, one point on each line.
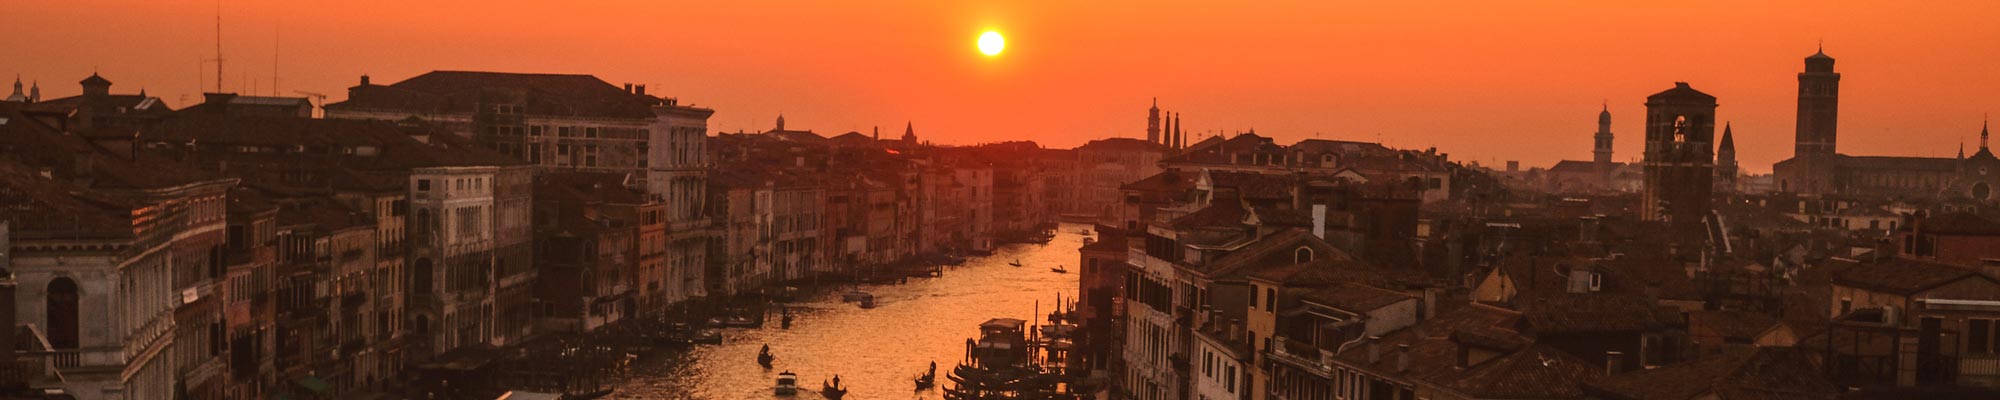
[876, 351]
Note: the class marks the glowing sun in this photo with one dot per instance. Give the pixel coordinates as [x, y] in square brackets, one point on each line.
[990, 43]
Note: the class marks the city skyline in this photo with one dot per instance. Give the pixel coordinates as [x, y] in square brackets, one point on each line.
[1408, 75]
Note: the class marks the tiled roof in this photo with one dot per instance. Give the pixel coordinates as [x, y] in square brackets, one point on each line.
[1681, 91]
[1354, 298]
[1582, 313]
[460, 91]
[1736, 373]
[32, 204]
[587, 187]
[1121, 144]
[36, 145]
[1902, 276]
[1729, 324]
[1227, 214]
[1525, 371]
[1253, 185]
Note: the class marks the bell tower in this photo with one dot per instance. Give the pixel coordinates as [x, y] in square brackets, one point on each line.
[1680, 160]
[1153, 122]
[1601, 152]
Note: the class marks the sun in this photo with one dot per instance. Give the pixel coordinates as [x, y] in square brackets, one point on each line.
[991, 43]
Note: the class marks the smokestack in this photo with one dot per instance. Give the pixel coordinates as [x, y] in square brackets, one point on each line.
[364, 80]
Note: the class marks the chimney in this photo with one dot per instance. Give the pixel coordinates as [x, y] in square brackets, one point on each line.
[1402, 357]
[1374, 349]
[639, 89]
[1235, 334]
[628, 88]
[1319, 221]
[1464, 354]
[364, 80]
[1613, 362]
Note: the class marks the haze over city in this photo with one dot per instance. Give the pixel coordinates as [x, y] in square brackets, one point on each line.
[998, 200]
[1484, 81]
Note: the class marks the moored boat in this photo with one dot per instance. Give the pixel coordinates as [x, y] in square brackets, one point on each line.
[788, 384]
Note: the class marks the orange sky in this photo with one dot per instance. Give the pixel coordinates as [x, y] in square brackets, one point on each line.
[1483, 80]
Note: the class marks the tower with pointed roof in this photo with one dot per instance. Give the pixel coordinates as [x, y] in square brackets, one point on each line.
[910, 133]
[1725, 161]
[1601, 148]
[1153, 122]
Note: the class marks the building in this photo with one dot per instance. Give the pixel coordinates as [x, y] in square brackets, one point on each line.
[550, 121]
[1599, 175]
[1818, 168]
[588, 248]
[1104, 165]
[108, 248]
[1680, 160]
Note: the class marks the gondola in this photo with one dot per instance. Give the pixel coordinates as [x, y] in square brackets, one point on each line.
[832, 391]
[928, 379]
[1059, 269]
[1016, 263]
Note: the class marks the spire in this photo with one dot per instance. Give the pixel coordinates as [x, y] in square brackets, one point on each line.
[35, 92]
[781, 122]
[1728, 140]
[1178, 139]
[910, 132]
[1982, 135]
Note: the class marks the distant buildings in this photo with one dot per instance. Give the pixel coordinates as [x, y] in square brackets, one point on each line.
[1818, 169]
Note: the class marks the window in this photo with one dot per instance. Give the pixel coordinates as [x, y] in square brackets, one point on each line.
[1302, 255]
[1270, 300]
[1979, 336]
[423, 185]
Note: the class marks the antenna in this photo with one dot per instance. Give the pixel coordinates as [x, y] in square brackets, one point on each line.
[275, 30]
[219, 47]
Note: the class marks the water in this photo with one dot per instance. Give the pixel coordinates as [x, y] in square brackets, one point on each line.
[876, 352]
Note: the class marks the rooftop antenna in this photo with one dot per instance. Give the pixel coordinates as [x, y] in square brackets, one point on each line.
[218, 46]
[275, 30]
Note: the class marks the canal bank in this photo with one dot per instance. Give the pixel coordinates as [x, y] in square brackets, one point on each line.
[876, 352]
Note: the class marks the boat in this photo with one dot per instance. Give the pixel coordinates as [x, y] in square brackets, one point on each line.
[764, 357]
[833, 391]
[788, 384]
[739, 321]
[928, 379]
[706, 336]
[1059, 269]
[866, 299]
[868, 302]
[1016, 263]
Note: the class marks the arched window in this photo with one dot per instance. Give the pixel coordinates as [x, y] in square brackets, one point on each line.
[1302, 255]
[63, 299]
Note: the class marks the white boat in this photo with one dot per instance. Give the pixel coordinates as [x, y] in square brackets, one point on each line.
[788, 384]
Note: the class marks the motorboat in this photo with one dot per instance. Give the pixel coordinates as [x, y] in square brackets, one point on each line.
[788, 384]
[868, 302]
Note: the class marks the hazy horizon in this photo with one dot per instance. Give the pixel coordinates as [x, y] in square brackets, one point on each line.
[1487, 82]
